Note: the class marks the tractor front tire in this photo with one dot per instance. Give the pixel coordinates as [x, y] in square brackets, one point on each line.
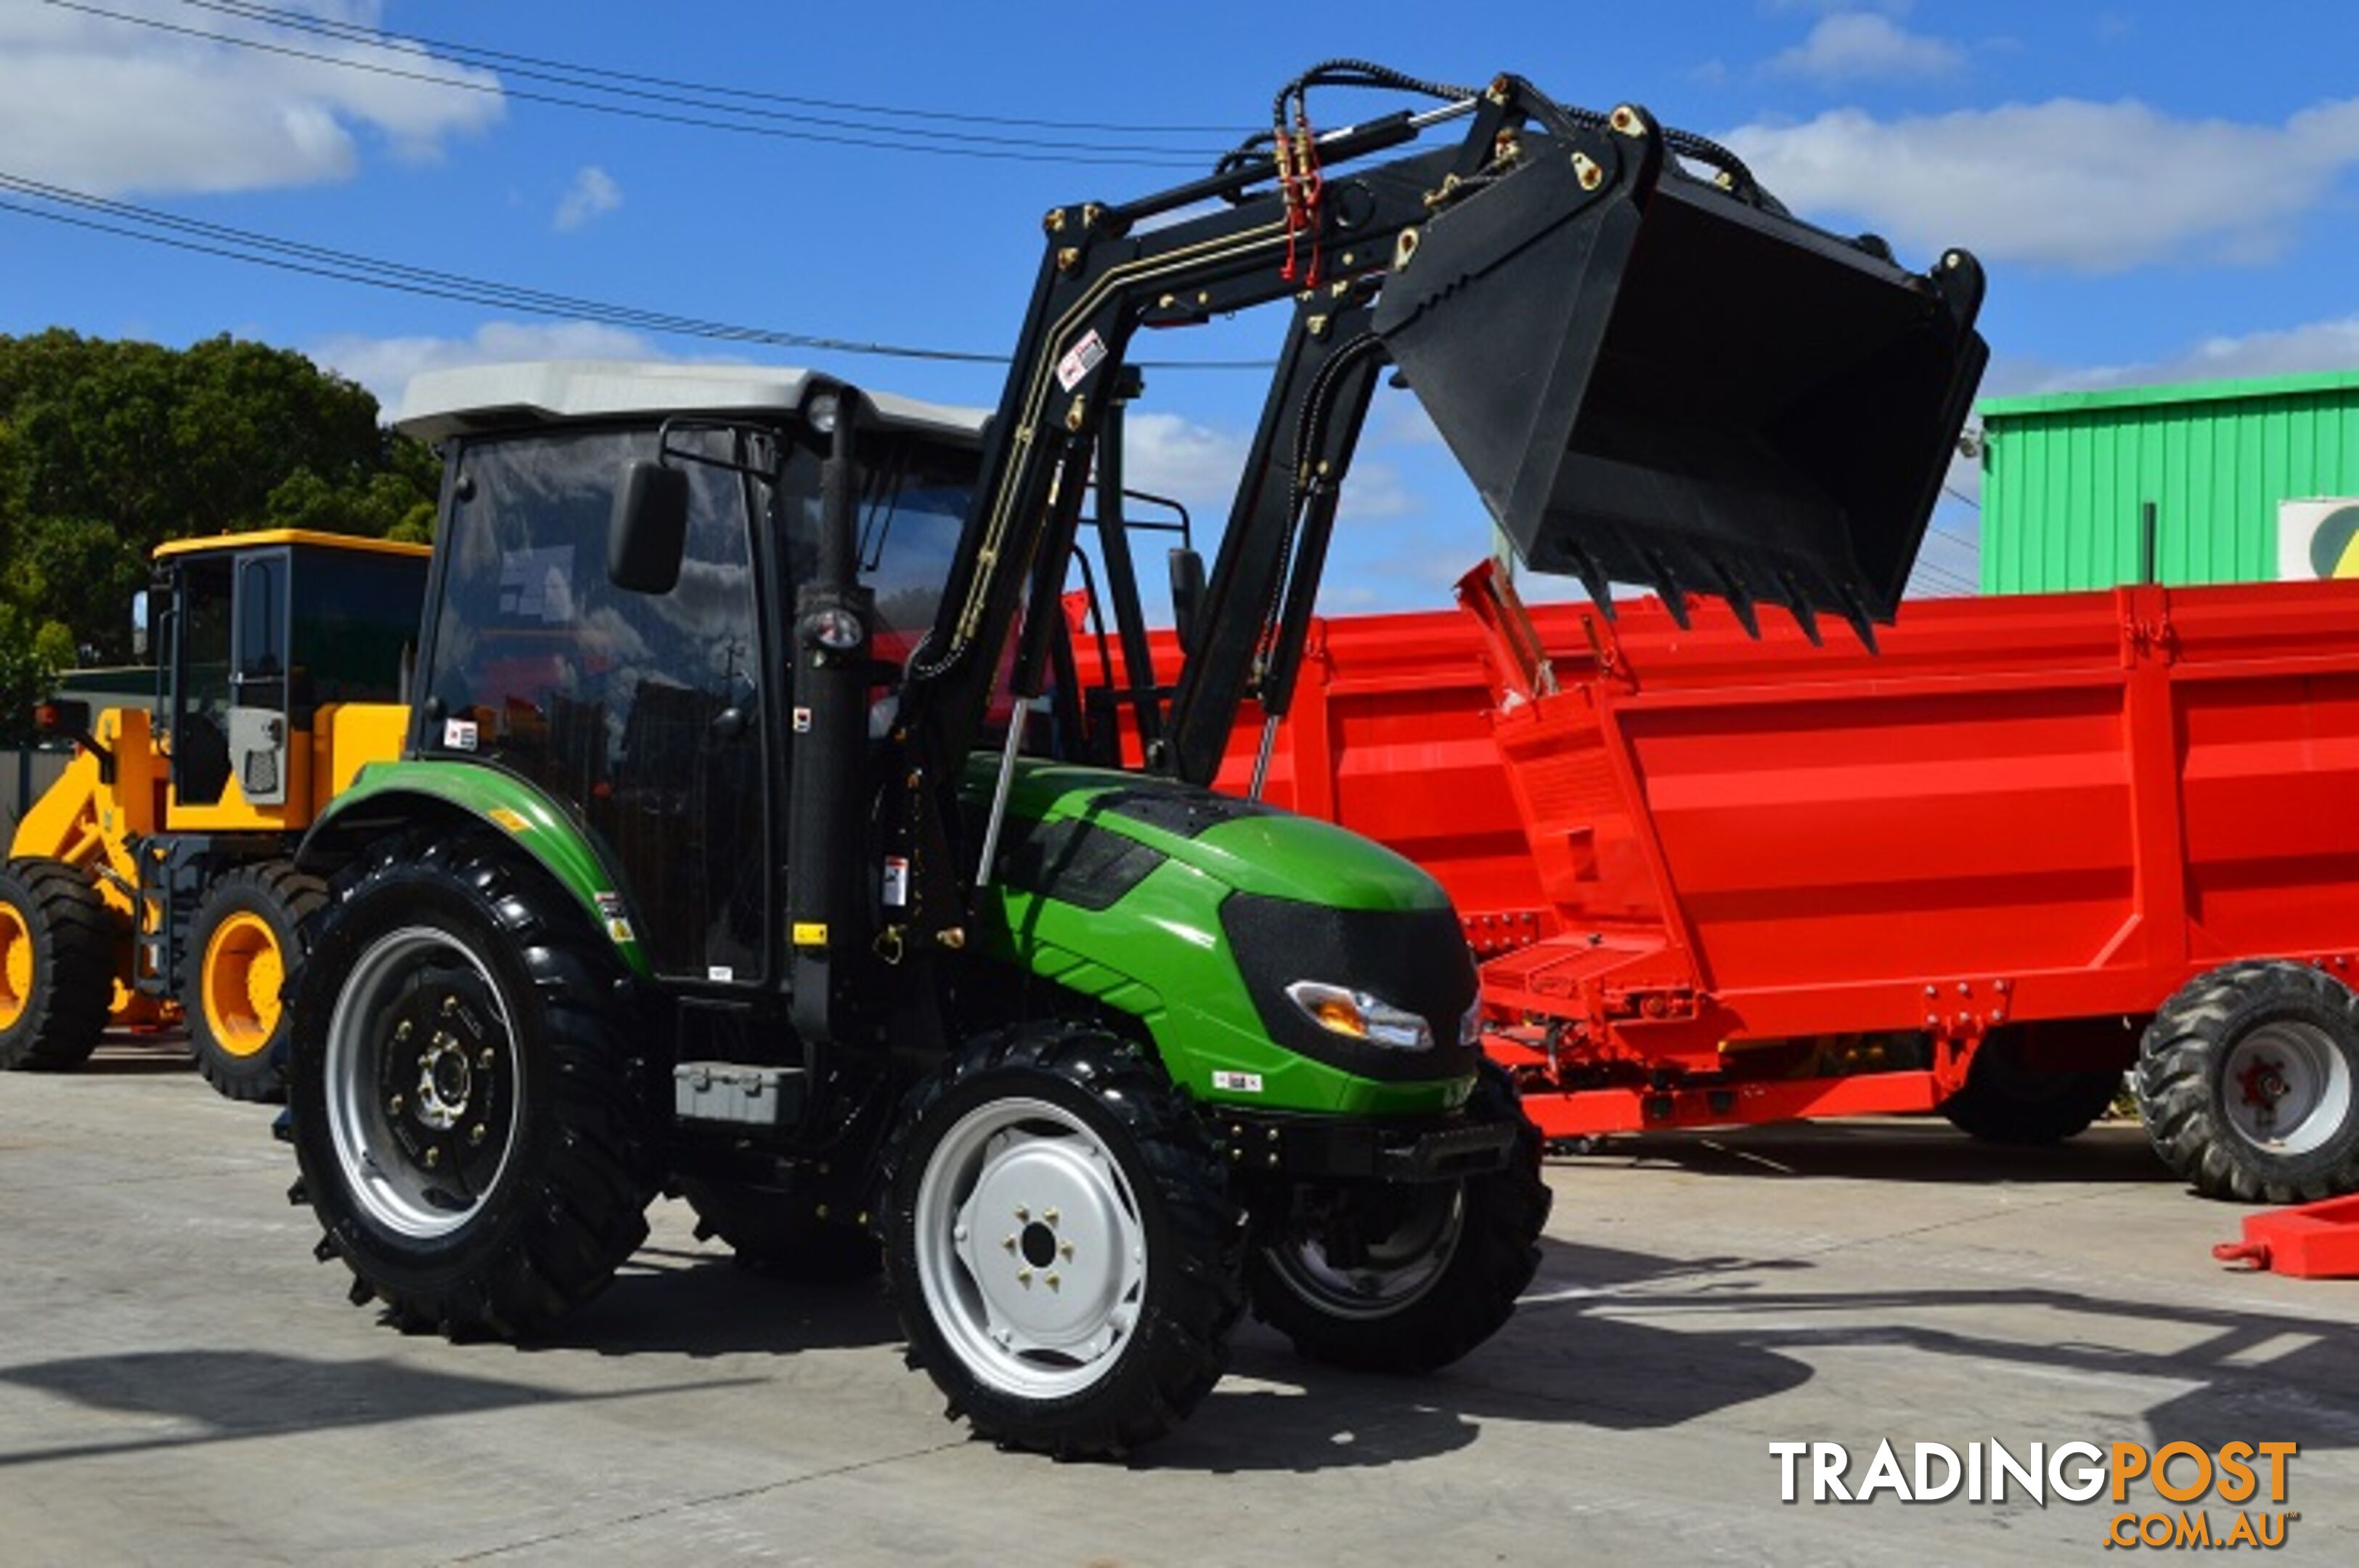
[475, 1133]
[245, 938]
[1434, 1270]
[771, 1236]
[2005, 1100]
[58, 945]
[2245, 1083]
[1060, 1242]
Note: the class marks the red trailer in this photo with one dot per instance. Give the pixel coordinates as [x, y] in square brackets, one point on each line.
[1720, 879]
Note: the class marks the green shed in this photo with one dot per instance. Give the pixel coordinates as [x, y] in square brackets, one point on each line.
[2067, 476]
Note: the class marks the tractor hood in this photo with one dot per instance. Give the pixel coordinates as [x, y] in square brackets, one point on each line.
[1076, 834]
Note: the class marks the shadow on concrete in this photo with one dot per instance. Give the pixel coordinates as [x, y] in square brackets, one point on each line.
[122, 1054]
[1600, 1373]
[233, 1394]
[1885, 1150]
[699, 1304]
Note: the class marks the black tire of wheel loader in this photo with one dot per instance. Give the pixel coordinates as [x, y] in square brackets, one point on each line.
[240, 1039]
[775, 1240]
[1176, 1348]
[1495, 1254]
[56, 972]
[508, 960]
[2194, 1098]
[2005, 1101]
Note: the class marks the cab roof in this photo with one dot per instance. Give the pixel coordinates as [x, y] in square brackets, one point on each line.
[264, 536]
[440, 403]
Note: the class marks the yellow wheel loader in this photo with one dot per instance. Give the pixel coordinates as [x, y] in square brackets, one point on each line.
[153, 883]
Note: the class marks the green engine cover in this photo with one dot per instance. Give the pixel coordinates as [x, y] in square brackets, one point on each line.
[1113, 885]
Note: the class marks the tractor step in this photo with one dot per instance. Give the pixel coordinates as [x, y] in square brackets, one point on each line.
[745, 1093]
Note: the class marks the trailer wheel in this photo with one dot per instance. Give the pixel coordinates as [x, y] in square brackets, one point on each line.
[58, 943]
[474, 1130]
[2006, 1101]
[2245, 1083]
[1060, 1242]
[1433, 1270]
[245, 932]
[774, 1239]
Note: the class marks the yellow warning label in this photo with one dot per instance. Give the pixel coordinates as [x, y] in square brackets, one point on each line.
[810, 933]
[515, 822]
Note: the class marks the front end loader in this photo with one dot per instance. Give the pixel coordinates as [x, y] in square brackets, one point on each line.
[153, 885]
[741, 846]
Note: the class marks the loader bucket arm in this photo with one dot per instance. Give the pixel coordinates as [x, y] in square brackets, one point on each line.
[1652, 379]
[1649, 378]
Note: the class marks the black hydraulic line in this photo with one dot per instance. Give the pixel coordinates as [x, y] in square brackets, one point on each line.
[1121, 580]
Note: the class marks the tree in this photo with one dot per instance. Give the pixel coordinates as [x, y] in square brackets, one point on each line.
[109, 448]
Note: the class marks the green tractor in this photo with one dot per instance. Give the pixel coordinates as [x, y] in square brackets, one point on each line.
[739, 845]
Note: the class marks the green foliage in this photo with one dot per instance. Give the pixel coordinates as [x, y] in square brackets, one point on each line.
[109, 448]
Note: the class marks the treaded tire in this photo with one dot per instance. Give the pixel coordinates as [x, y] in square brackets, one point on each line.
[2184, 1083]
[1175, 1348]
[567, 1203]
[771, 1237]
[2005, 1102]
[282, 898]
[1495, 1256]
[69, 970]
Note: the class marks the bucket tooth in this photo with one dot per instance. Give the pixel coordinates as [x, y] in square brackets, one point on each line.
[1594, 581]
[1740, 602]
[1856, 613]
[1667, 587]
[1799, 604]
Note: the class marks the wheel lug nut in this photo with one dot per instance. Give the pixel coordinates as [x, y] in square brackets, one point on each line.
[433, 1158]
[1023, 1213]
[1010, 1242]
[1065, 1250]
[1050, 1215]
[1023, 1276]
[394, 1105]
[486, 1061]
[475, 1133]
[958, 1233]
[1051, 1281]
[401, 1031]
[450, 1005]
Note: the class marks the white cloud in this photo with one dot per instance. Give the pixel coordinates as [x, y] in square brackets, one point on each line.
[593, 194]
[111, 108]
[2329, 345]
[1190, 462]
[2089, 187]
[385, 366]
[1850, 46]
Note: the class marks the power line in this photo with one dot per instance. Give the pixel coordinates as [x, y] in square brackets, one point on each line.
[126, 221]
[358, 33]
[910, 139]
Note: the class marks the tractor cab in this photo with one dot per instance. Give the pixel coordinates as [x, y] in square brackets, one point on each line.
[275, 651]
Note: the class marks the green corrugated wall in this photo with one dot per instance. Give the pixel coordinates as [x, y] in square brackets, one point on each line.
[2064, 476]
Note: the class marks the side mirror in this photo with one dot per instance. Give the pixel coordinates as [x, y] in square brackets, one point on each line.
[1187, 595]
[139, 624]
[648, 530]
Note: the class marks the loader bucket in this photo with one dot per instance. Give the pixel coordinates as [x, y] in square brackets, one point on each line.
[1655, 382]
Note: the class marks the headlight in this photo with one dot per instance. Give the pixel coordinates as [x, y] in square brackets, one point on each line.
[1356, 1015]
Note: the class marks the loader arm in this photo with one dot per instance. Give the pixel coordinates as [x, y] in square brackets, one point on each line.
[1649, 377]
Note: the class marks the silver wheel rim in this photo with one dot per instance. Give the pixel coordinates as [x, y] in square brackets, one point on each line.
[2286, 1087]
[1400, 1268]
[446, 1100]
[1030, 1250]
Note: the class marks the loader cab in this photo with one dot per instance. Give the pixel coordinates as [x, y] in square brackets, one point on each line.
[281, 657]
[660, 722]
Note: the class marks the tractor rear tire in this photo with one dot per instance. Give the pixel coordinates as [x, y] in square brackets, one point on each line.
[1441, 1279]
[246, 935]
[2009, 1102]
[773, 1237]
[1061, 1243]
[57, 950]
[2248, 1083]
[475, 1133]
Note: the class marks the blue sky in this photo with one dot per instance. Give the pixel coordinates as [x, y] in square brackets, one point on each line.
[2160, 190]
